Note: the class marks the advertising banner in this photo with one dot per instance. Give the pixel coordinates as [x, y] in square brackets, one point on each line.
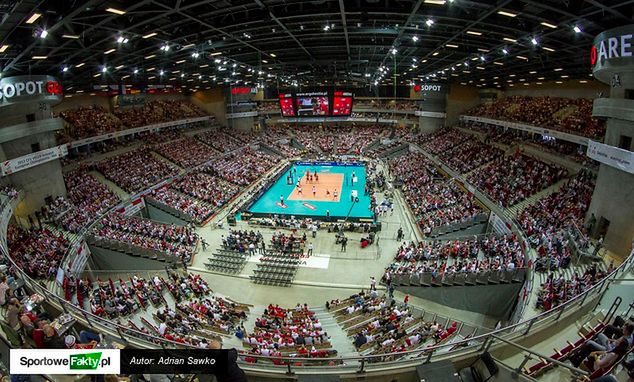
[531, 129]
[132, 208]
[20, 89]
[31, 160]
[64, 361]
[612, 156]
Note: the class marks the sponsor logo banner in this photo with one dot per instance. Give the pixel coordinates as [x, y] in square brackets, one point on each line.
[612, 156]
[242, 114]
[64, 361]
[531, 129]
[27, 161]
[29, 88]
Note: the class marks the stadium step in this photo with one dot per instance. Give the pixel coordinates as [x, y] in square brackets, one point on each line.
[113, 187]
[338, 337]
[515, 210]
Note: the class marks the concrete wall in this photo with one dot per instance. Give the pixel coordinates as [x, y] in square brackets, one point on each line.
[162, 216]
[212, 101]
[460, 99]
[40, 181]
[613, 196]
[105, 259]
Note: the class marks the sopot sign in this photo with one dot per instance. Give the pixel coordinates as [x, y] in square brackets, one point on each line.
[30, 89]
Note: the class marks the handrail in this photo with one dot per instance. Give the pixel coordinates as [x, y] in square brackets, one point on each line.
[575, 371]
[471, 344]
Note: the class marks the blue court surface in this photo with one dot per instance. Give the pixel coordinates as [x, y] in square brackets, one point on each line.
[332, 176]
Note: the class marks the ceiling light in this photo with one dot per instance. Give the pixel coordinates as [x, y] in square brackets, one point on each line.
[71, 36]
[534, 41]
[104, 69]
[583, 82]
[559, 82]
[564, 76]
[273, 55]
[326, 28]
[429, 22]
[451, 46]
[96, 75]
[118, 67]
[195, 55]
[65, 69]
[150, 56]
[394, 51]
[474, 33]
[161, 73]
[549, 25]
[507, 14]
[577, 29]
[109, 51]
[150, 35]
[548, 49]
[150, 69]
[126, 76]
[204, 65]
[435, 54]
[533, 72]
[39, 57]
[165, 47]
[522, 58]
[3, 48]
[498, 63]
[182, 75]
[187, 46]
[33, 18]
[558, 69]
[435, 2]
[115, 11]
[180, 61]
[415, 38]
[43, 33]
[509, 39]
[80, 65]
[265, 61]
[215, 54]
[505, 51]
[482, 58]
[151, 77]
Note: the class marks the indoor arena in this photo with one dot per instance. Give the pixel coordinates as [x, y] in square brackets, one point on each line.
[316, 191]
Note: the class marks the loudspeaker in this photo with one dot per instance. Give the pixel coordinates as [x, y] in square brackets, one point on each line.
[441, 371]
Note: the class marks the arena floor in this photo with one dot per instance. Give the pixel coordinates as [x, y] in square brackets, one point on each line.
[331, 179]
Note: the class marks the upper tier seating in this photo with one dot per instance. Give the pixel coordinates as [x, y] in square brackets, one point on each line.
[572, 115]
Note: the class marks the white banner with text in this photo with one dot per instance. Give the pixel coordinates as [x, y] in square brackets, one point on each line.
[612, 156]
[31, 160]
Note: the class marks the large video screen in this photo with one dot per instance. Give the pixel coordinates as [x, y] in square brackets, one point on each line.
[342, 104]
[286, 105]
[310, 104]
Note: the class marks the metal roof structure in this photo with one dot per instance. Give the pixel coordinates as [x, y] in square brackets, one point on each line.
[487, 42]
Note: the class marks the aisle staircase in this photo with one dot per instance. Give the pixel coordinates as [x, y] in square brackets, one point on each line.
[338, 337]
[516, 209]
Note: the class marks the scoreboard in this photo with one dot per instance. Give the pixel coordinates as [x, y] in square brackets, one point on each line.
[342, 104]
[319, 103]
[286, 105]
